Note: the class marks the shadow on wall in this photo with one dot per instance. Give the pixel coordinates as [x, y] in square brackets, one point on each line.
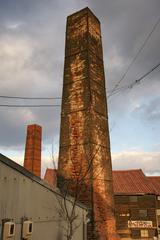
[101, 213]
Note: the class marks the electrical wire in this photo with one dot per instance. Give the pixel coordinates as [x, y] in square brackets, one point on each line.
[136, 56]
[30, 98]
[145, 75]
[112, 92]
[19, 106]
[118, 90]
[136, 81]
[57, 105]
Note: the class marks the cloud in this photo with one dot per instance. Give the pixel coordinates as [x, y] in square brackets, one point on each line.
[26, 71]
[47, 159]
[147, 161]
[149, 111]
[14, 26]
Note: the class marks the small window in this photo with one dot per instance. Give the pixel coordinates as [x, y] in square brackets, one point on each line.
[158, 212]
[133, 199]
[144, 233]
[12, 229]
[143, 213]
[124, 214]
[30, 228]
[123, 199]
[135, 233]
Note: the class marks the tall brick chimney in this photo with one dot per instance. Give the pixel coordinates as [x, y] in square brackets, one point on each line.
[32, 159]
[84, 155]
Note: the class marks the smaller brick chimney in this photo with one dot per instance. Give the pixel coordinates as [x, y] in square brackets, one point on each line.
[32, 159]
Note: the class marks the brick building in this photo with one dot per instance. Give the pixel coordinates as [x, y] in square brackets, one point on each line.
[155, 183]
[136, 203]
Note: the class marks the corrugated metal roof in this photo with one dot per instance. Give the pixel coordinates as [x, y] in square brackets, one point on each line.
[131, 182]
[155, 184]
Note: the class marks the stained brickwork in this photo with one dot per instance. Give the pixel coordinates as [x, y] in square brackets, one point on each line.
[84, 157]
[32, 159]
[51, 177]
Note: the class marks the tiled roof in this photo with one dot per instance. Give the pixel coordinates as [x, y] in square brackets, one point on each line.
[155, 183]
[131, 182]
[51, 176]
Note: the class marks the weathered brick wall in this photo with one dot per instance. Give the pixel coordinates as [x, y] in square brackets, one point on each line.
[84, 157]
[127, 210]
[32, 159]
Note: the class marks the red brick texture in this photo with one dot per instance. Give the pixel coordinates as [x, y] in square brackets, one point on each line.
[51, 177]
[32, 159]
[84, 156]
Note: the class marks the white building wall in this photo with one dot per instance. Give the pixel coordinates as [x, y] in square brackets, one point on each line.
[23, 197]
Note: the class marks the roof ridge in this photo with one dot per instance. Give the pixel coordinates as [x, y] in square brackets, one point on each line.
[128, 170]
[153, 176]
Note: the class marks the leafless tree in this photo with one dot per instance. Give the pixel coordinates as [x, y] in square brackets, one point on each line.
[67, 212]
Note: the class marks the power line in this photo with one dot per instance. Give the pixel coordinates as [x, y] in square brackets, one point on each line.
[30, 98]
[58, 105]
[136, 56]
[19, 106]
[117, 91]
[136, 81]
[145, 75]
[114, 93]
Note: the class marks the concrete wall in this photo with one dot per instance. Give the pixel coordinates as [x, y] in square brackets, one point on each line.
[22, 195]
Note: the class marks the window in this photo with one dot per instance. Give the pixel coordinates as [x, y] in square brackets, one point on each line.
[30, 228]
[135, 233]
[143, 213]
[12, 229]
[124, 214]
[133, 199]
[144, 233]
[123, 199]
[158, 212]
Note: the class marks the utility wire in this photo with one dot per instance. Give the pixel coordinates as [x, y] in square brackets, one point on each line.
[30, 98]
[136, 56]
[19, 106]
[115, 92]
[118, 90]
[112, 92]
[145, 75]
[136, 81]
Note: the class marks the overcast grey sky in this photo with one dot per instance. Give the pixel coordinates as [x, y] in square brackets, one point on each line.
[32, 35]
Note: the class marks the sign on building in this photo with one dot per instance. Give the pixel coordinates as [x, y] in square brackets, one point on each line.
[140, 224]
